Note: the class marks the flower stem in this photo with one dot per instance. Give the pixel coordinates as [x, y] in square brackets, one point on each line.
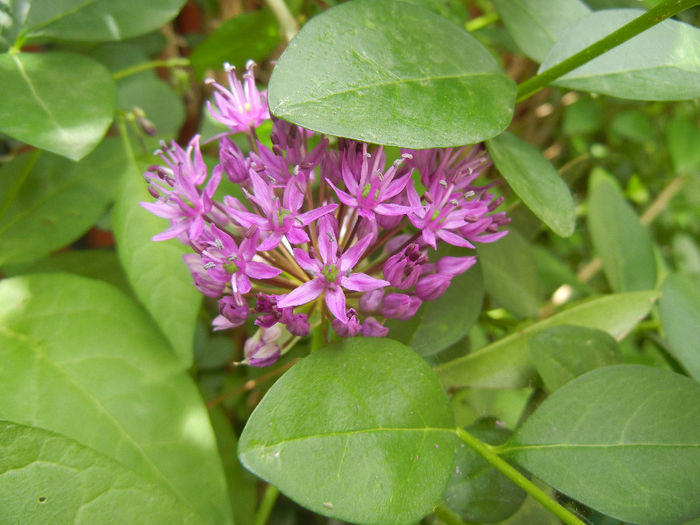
[268, 501]
[488, 453]
[481, 21]
[151, 64]
[653, 16]
[286, 20]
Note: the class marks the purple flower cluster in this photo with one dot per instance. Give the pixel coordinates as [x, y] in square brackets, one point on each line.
[317, 235]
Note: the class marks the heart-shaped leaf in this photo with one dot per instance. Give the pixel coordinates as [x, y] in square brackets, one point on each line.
[354, 71]
[360, 431]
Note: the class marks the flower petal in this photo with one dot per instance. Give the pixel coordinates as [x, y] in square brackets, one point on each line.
[306, 262]
[335, 299]
[353, 254]
[303, 294]
[258, 270]
[453, 239]
[361, 282]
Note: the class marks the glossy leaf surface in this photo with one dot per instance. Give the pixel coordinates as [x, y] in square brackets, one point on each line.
[353, 71]
[510, 274]
[679, 309]
[645, 421]
[112, 391]
[622, 243]
[443, 322]
[533, 178]
[564, 352]
[97, 20]
[156, 271]
[536, 25]
[659, 64]
[360, 431]
[507, 363]
[60, 102]
[47, 201]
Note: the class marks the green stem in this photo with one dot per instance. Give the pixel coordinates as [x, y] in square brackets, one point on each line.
[482, 21]
[652, 17]
[143, 66]
[268, 501]
[488, 453]
[286, 20]
[448, 516]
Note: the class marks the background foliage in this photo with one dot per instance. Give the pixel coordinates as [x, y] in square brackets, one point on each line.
[568, 358]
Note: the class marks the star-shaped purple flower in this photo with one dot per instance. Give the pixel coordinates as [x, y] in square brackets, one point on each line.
[225, 261]
[279, 219]
[372, 188]
[332, 273]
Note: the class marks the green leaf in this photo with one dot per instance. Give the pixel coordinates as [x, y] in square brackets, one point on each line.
[659, 64]
[441, 323]
[478, 492]
[248, 36]
[50, 201]
[535, 25]
[55, 479]
[242, 486]
[156, 271]
[507, 364]
[629, 437]
[353, 71]
[80, 361]
[97, 20]
[564, 352]
[621, 242]
[679, 309]
[683, 138]
[360, 431]
[510, 274]
[59, 102]
[95, 264]
[535, 181]
[633, 125]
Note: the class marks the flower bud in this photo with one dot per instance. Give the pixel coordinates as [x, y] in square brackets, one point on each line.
[205, 284]
[370, 301]
[373, 328]
[432, 286]
[261, 349]
[400, 306]
[298, 324]
[403, 269]
[233, 161]
[233, 312]
[349, 329]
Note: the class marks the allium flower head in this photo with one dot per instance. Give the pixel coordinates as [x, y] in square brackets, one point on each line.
[318, 237]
